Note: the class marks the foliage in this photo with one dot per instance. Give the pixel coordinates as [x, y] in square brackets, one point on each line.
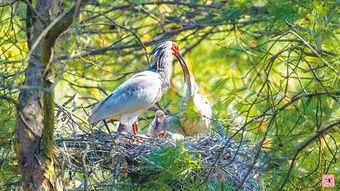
[176, 169]
[270, 68]
[178, 165]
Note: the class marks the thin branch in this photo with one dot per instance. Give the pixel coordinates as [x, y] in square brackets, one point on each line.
[304, 145]
[9, 99]
[159, 38]
[139, 41]
[310, 46]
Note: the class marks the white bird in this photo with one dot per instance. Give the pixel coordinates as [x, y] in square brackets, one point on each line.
[195, 114]
[142, 90]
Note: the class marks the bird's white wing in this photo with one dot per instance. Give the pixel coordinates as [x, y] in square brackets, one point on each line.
[203, 106]
[139, 92]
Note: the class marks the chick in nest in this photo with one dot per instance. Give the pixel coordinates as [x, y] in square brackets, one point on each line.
[157, 128]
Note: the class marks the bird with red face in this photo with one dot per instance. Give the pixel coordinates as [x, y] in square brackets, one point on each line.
[141, 91]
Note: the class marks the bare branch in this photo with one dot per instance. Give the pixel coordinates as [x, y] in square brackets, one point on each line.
[9, 99]
[305, 144]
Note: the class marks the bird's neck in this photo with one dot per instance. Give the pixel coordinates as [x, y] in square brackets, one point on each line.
[163, 66]
[165, 74]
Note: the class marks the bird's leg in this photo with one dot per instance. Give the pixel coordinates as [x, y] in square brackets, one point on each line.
[135, 128]
[138, 139]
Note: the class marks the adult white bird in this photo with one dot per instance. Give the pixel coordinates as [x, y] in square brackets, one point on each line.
[142, 90]
[195, 114]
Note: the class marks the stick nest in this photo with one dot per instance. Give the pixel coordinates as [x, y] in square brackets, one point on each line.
[112, 159]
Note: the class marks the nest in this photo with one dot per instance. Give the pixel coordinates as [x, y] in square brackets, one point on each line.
[120, 158]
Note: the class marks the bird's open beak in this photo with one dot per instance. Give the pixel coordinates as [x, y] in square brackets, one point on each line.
[185, 71]
[162, 134]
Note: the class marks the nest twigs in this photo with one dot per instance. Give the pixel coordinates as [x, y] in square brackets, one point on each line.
[123, 156]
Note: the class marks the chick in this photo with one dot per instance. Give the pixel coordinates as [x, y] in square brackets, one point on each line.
[157, 128]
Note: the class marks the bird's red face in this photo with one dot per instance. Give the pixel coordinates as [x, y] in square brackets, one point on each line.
[175, 49]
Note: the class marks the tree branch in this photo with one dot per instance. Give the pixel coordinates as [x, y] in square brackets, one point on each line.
[304, 145]
[55, 28]
[63, 22]
[9, 99]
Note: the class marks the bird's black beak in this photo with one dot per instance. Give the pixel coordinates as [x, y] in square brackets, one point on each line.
[157, 125]
[185, 71]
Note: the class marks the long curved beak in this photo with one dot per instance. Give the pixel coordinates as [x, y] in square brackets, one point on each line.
[185, 72]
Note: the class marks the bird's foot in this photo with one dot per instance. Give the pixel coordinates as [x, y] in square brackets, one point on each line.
[139, 138]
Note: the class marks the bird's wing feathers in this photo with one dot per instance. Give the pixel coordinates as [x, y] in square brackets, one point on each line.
[203, 106]
[97, 106]
[139, 92]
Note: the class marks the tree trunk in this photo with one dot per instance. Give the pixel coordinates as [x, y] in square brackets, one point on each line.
[35, 113]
